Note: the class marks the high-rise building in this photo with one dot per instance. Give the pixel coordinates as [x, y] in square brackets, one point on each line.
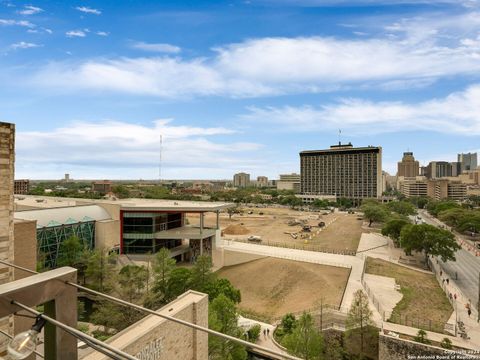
[408, 167]
[241, 180]
[343, 171]
[467, 161]
[441, 169]
[7, 143]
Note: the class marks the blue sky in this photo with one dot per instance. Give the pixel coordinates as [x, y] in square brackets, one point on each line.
[234, 85]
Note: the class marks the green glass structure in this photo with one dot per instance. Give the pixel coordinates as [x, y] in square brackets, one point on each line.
[50, 237]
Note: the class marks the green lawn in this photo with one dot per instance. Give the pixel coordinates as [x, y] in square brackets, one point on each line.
[424, 304]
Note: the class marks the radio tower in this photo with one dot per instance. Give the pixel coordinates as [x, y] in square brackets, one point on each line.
[160, 162]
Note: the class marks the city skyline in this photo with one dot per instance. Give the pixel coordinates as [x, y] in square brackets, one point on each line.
[234, 86]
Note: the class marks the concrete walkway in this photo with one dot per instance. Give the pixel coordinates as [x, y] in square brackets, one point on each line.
[263, 340]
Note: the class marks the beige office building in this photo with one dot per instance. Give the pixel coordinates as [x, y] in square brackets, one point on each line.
[7, 160]
[289, 182]
[241, 180]
[343, 171]
[438, 189]
[262, 181]
[408, 167]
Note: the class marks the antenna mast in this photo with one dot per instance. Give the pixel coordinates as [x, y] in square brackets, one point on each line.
[339, 134]
[160, 162]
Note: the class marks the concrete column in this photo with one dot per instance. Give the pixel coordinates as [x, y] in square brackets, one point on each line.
[201, 246]
[218, 219]
[201, 222]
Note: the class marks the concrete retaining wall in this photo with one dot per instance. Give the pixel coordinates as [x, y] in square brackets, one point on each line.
[390, 348]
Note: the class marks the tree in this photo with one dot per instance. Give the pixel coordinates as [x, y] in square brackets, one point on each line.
[430, 240]
[359, 319]
[453, 216]
[70, 252]
[288, 323]
[419, 201]
[446, 343]
[222, 317]
[254, 333]
[178, 281]
[100, 270]
[231, 211]
[402, 207]
[202, 274]
[436, 207]
[121, 191]
[225, 287]
[132, 280]
[392, 228]
[421, 337]
[304, 341]
[162, 266]
[374, 213]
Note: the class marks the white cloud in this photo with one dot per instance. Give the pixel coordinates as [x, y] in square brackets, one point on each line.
[9, 22]
[456, 113]
[420, 52]
[102, 33]
[30, 10]
[110, 147]
[24, 45]
[158, 47]
[88, 10]
[75, 33]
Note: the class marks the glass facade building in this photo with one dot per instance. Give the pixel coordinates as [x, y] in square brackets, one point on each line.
[139, 229]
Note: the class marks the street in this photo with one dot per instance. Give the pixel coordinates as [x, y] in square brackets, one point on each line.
[467, 266]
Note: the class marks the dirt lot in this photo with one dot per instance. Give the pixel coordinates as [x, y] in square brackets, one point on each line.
[273, 287]
[343, 233]
[423, 300]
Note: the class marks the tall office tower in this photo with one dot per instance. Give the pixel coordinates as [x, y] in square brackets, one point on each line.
[241, 180]
[342, 170]
[439, 169]
[7, 159]
[408, 167]
[467, 161]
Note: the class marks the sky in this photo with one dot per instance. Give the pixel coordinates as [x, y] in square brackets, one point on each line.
[234, 86]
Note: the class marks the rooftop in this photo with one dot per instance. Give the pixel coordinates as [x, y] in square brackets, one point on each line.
[63, 215]
[124, 204]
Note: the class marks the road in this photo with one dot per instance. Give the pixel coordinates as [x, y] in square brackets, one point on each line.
[467, 266]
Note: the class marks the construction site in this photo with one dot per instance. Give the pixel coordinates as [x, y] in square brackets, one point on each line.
[328, 231]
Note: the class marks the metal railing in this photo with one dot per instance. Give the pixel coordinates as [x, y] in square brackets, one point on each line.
[166, 317]
[306, 247]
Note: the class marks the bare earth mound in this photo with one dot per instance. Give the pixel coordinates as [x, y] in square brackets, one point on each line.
[273, 287]
[236, 230]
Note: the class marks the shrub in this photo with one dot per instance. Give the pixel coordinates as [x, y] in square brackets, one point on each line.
[254, 333]
[446, 343]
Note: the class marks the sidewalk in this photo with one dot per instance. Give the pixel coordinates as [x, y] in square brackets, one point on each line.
[263, 340]
[472, 327]
[410, 331]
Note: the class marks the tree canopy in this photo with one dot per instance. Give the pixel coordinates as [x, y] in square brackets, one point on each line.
[374, 212]
[393, 227]
[430, 240]
[304, 340]
[222, 317]
[359, 321]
